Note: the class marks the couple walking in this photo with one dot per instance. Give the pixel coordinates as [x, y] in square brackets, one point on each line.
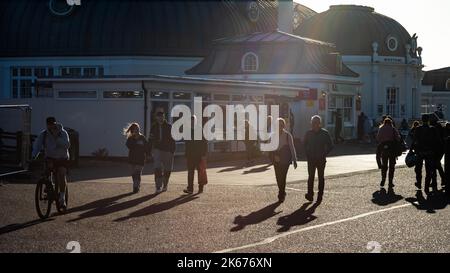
[317, 145]
[161, 146]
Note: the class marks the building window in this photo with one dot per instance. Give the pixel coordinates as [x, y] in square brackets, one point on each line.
[344, 104]
[250, 62]
[77, 94]
[392, 101]
[447, 84]
[24, 79]
[123, 94]
[76, 72]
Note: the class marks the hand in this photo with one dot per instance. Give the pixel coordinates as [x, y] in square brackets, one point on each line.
[295, 164]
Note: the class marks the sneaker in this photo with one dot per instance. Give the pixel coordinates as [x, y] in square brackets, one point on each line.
[135, 189]
[309, 197]
[158, 190]
[382, 183]
[188, 191]
[164, 189]
[62, 200]
[200, 188]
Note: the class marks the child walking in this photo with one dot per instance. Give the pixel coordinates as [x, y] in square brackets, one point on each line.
[137, 153]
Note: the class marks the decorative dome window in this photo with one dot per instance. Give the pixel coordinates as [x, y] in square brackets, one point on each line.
[250, 62]
[253, 11]
[392, 43]
[60, 7]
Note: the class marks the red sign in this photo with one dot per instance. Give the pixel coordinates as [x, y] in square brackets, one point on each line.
[310, 94]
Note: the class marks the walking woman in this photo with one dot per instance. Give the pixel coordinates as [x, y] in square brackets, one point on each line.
[387, 137]
[137, 153]
[284, 156]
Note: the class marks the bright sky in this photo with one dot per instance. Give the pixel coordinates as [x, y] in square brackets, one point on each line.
[429, 19]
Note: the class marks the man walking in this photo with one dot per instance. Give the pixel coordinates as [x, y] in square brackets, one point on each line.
[426, 143]
[318, 145]
[163, 149]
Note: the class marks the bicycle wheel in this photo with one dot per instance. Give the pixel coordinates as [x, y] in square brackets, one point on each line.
[43, 199]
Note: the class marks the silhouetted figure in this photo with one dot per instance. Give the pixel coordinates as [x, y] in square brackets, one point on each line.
[318, 145]
[387, 137]
[195, 152]
[360, 126]
[283, 157]
[338, 127]
[137, 153]
[163, 149]
[250, 145]
[439, 151]
[425, 144]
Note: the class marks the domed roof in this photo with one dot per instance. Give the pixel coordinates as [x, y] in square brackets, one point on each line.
[127, 28]
[353, 29]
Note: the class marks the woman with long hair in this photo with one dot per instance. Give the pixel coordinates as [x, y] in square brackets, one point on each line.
[387, 137]
[137, 152]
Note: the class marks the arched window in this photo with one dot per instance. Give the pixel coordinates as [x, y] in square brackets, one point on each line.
[250, 62]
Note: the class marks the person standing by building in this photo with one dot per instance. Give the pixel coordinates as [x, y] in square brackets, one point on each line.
[195, 152]
[338, 127]
[426, 142]
[137, 153]
[360, 127]
[283, 157]
[318, 145]
[163, 149]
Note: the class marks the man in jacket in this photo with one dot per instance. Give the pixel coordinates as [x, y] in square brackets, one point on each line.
[163, 149]
[54, 141]
[318, 145]
[426, 142]
[195, 152]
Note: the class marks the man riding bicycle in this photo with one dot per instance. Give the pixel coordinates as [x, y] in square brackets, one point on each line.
[54, 141]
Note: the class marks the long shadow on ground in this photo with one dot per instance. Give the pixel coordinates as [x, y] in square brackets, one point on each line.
[159, 207]
[255, 217]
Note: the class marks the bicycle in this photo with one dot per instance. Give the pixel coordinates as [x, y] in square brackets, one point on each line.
[46, 192]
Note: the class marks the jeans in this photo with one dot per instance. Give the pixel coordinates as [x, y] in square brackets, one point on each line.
[163, 165]
[430, 171]
[136, 172]
[192, 165]
[388, 162]
[280, 174]
[312, 166]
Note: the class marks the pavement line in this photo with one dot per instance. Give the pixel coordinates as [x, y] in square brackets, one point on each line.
[274, 238]
[300, 190]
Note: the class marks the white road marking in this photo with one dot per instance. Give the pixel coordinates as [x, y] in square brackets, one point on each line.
[274, 238]
[300, 190]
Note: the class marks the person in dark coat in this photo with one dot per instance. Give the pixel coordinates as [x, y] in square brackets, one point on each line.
[163, 149]
[386, 137]
[426, 144]
[195, 153]
[338, 127]
[137, 153]
[434, 121]
[318, 145]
